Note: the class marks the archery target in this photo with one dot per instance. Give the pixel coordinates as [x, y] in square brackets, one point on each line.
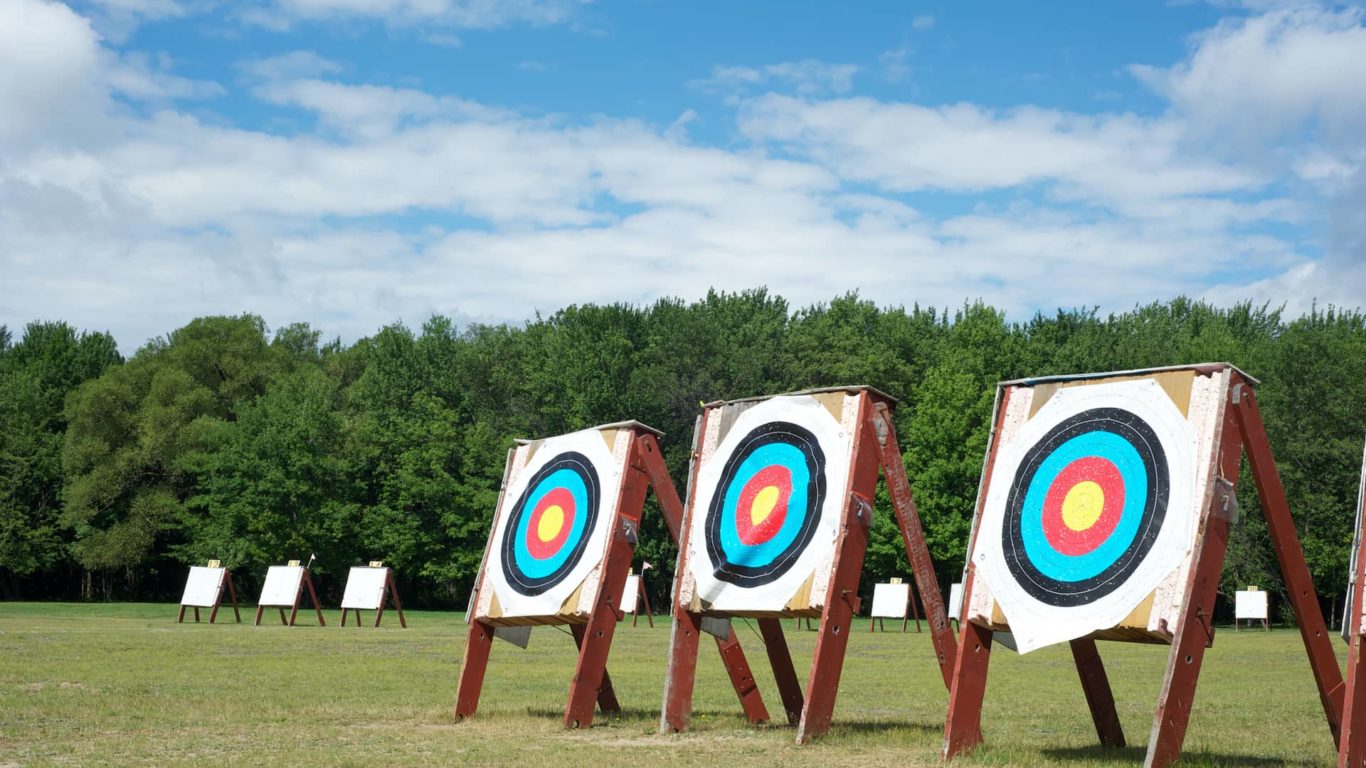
[551, 532]
[768, 504]
[1092, 507]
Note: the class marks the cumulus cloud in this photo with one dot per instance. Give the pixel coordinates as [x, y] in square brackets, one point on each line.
[808, 77]
[396, 202]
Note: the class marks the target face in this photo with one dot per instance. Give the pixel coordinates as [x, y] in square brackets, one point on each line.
[768, 504]
[551, 531]
[1096, 510]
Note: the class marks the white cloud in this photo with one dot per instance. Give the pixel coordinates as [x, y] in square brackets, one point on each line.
[923, 22]
[392, 202]
[467, 14]
[808, 77]
[1260, 79]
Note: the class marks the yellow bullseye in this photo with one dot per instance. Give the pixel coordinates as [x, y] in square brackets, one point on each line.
[1082, 506]
[764, 502]
[552, 520]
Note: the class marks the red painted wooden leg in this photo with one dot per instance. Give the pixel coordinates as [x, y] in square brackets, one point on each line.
[1096, 685]
[472, 669]
[963, 729]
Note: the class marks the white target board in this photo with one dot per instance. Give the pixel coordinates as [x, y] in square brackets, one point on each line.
[203, 587]
[890, 600]
[550, 532]
[630, 594]
[365, 588]
[766, 509]
[1249, 604]
[1093, 504]
[1347, 619]
[282, 585]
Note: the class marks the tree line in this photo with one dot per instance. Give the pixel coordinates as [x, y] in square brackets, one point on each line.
[227, 440]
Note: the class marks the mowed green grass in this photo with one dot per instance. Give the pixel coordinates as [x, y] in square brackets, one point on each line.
[126, 685]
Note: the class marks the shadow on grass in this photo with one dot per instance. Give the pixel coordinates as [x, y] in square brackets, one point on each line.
[1135, 754]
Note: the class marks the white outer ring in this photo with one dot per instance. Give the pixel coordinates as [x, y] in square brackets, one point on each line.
[588, 442]
[804, 411]
[1036, 624]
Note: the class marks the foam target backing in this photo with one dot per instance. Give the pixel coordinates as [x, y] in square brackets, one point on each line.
[1091, 506]
[767, 506]
[550, 533]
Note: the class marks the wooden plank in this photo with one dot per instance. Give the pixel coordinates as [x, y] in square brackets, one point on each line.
[784, 673]
[841, 601]
[1096, 686]
[1299, 585]
[963, 725]
[1194, 627]
[473, 666]
[913, 537]
[1352, 735]
[590, 674]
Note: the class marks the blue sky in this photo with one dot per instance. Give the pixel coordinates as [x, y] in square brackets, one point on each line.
[353, 163]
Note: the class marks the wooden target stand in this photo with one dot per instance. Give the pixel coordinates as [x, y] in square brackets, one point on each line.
[1241, 430]
[305, 583]
[908, 611]
[388, 594]
[645, 470]
[218, 599]
[874, 447]
[1352, 740]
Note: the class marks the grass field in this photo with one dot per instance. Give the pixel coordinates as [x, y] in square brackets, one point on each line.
[126, 685]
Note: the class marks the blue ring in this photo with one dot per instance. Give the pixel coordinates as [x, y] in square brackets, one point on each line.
[1055, 564]
[763, 554]
[530, 565]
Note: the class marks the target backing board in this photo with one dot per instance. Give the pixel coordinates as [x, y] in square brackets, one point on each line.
[890, 600]
[550, 531]
[1096, 489]
[365, 588]
[282, 586]
[1249, 604]
[771, 485]
[630, 594]
[203, 586]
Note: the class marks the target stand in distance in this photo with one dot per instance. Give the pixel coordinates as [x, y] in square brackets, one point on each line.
[559, 552]
[284, 588]
[204, 589]
[1103, 515]
[367, 587]
[777, 526]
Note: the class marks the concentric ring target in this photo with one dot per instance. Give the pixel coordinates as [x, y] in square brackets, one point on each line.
[767, 504]
[550, 524]
[1086, 506]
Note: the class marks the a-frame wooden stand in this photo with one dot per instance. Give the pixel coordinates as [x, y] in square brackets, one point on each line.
[391, 594]
[213, 612]
[1352, 740]
[912, 611]
[305, 583]
[642, 599]
[875, 447]
[645, 469]
[1241, 430]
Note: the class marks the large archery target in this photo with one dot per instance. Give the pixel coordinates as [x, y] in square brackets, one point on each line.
[1091, 507]
[551, 531]
[767, 507]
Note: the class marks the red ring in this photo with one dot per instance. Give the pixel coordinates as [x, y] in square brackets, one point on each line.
[545, 549]
[750, 534]
[1100, 471]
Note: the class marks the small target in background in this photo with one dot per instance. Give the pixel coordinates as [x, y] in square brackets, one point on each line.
[1086, 506]
[551, 524]
[767, 504]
